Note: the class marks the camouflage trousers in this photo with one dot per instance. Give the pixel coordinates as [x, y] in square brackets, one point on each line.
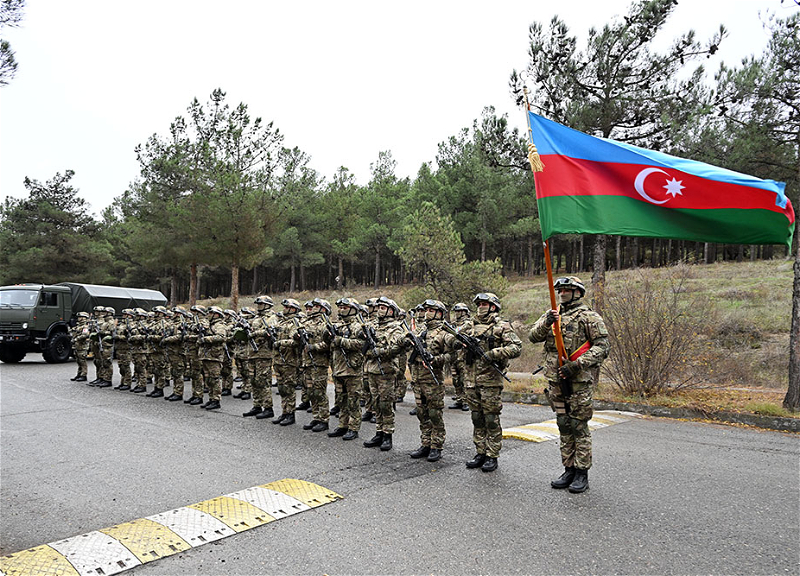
[80, 358]
[124, 358]
[196, 371]
[429, 398]
[286, 376]
[107, 364]
[366, 394]
[348, 390]
[160, 368]
[401, 384]
[176, 366]
[261, 382]
[382, 390]
[226, 373]
[213, 379]
[96, 359]
[458, 371]
[316, 383]
[140, 367]
[486, 403]
[244, 368]
[572, 416]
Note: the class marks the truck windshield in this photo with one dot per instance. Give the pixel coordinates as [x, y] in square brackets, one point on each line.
[24, 298]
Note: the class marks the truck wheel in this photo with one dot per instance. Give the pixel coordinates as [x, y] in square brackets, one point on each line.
[11, 354]
[57, 348]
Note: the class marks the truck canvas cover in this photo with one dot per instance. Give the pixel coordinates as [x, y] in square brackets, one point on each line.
[87, 296]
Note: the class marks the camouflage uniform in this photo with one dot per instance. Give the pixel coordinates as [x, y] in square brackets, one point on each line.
[160, 329]
[263, 332]
[580, 326]
[94, 339]
[315, 360]
[347, 367]
[484, 386]
[214, 341]
[195, 352]
[176, 351]
[227, 358]
[80, 343]
[287, 361]
[458, 365]
[140, 348]
[381, 372]
[428, 393]
[242, 351]
[108, 328]
[123, 350]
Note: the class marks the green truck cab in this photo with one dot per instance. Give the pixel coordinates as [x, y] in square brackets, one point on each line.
[36, 317]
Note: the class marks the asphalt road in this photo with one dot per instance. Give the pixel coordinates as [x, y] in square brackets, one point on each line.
[666, 497]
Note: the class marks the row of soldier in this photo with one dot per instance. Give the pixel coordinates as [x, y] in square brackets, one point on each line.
[366, 350]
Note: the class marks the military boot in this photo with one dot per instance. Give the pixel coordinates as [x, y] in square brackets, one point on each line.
[489, 465]
[212, 405]
[266, 413]
[476, 461]
[320, 427]
[367, 416]
[279, 419]
[304, 405]
[350, 435]
[338, 431]
[421, 452]
[157, 393]
[289, 420]
[310, 425]
[139, 389]
[123, 387]
[80, 379]
[581, 481]
[174, 397]
[387, 442]
[253, 411]
[75, 378]
[374, 441]
[565, 479]
[103, 384]
[335, 411]
[435, 455]
[194, 401]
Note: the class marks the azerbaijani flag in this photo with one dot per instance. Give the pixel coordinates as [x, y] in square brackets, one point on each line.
[596, 186]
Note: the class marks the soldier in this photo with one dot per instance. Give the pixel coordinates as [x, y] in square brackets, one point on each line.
[215, 340]
[401, 384]
[381, 368]
[196, 351]
[242, 349]
[123, 349]
[305, 402]
[160, 329]
[484, 385]
[108, 329]
[80, 343]
[462, 321]
[287, 360]
[347, 367]
[570, 385]
[367, 401]
[176, 350]
[429, 378]
[315, 359]
[94, 337]
[230, 317]
[140, 348]
[264, 333]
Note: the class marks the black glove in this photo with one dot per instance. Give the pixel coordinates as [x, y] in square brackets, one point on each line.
[550, 318]
[569, 369]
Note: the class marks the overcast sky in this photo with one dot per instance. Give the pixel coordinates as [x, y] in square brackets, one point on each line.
[342, 80]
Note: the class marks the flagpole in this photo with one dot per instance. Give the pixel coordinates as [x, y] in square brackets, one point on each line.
[538, 166]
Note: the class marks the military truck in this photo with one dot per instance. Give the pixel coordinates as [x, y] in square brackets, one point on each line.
[36, 317]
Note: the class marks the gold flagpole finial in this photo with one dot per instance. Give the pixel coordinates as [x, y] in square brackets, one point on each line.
[533, 155]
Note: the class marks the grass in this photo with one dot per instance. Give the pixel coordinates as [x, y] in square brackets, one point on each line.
[748, 316]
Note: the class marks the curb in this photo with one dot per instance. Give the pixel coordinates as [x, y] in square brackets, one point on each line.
[767, 422]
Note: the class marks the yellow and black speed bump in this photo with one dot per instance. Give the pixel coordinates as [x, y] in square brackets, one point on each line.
[121, 547]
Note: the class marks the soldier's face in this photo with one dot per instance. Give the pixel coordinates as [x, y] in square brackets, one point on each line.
[430, 313]
[565, 295]
[383, 311]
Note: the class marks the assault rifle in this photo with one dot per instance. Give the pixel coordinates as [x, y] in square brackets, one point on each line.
[96, 329]
[334, 333]
[245, 326]
[420, 351]
[369, 344]
[473, 347]
[304, 340]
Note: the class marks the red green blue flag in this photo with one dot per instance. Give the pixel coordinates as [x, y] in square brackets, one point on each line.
[597, 186]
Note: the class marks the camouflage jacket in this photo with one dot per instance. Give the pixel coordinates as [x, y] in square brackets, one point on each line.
[289, 349]
[347, 348]
[261, 325]
[389, 342]
[215, 340]
[318, 337]
[580, 325]
[499, 342]
[434, 340]
[80, 336]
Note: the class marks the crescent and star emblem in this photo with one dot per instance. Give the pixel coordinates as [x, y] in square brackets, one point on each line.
[673, 186]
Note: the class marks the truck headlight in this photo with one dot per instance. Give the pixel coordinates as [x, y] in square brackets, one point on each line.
[24, 325]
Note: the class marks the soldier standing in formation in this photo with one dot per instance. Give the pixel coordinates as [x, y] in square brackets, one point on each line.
[484, 385]
[137, 340]
[381, 368]
[458, 367]
[570, 385]
[287, 361]
[196, 352]
[263, 327]
[367, 401]
[213, 354]
[159, 330]
[242, 353]
[428, 373]
[347, 367]
[107, 328]
[315, 353]
[80, 343]
[123, 350]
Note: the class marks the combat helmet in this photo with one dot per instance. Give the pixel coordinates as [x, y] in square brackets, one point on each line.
[324, 304]
[84, 315]
[435, 305]
[181, 310]
[246, 311]
[216, 310]
[200, 309]
[264, 301]
[570, 283]
[460, 307]
[128, 312]
[99, 310]
[389, 303]
[291, 303]
[489, 297]
[141, 313]
[160, 310]
[352, 302]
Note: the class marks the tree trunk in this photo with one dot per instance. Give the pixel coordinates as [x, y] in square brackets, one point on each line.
[619, 253]
[292, 279]
[193, 284]
[235, 286]
[173, 287]
[302, 277]
[254, 288]
[792, 400]
[599, 274]
[377, 269]
[483, 250]
[340, 275]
